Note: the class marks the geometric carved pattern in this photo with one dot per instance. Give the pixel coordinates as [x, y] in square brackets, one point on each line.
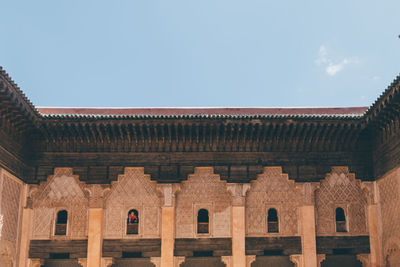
[10, 204]
[389, 196]
[134, 190]
[203, 189]
[63, 190]
[341, 189]
[272, 189]
[9, 208]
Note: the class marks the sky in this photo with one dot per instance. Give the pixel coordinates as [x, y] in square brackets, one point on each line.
[208, 53]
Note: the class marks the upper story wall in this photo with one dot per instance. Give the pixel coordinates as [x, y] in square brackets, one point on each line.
[389, 202]
[133, 190]
[273, 189]
[11, 202]
[340, 189]
[203, 190]
[62, 191]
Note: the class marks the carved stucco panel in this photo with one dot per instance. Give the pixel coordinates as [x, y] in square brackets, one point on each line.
[114, 227]
[340, 189]
[203, 187]
[151, 219]
[63, 190]
[10, 207]
[272, 189]
[79, 217]
[222, 218]
[389, 195]
[42, 222]
[134, 190]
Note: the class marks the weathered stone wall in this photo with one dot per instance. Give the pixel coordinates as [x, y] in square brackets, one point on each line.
[11, 191]
[272, 189]
[341, 189]
[389, 198]
[63, 190]
[203, 190]
[133, 190]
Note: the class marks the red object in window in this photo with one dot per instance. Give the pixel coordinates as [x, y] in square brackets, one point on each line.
[132, 217]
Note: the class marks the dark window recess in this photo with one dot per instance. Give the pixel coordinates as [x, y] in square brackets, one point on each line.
[59, 256]
[61, 223]
[132, 223]
[131, 254]
[203, 253]
[342, 251]
[340, 220]
[273, 222]
[273, 252]
[202, 222]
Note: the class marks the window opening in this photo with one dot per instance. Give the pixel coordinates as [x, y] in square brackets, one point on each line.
[61, 223]
[202, 222]
[340, 220]
[273, 223]
[132, 227]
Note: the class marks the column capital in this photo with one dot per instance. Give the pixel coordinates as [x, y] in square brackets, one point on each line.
[178, 261]
[308, 191]
[97, 194]
[107, 262]
[238, 192]
[168, 192]
[250, 259]
[36, 262]
[156, 261]
[371, 191]
[365, 259]
[297, 260]
[82, 262]
[320, 259]
[227, 260]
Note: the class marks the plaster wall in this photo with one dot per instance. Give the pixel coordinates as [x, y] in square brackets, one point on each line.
[133, 190]
[341, 189]
[389, 201]
[63, 190]
[272, 189]
[203, 190]
[11, 192]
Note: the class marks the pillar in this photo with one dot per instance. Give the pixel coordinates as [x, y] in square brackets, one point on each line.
[375, 242]
[374, 236]
[238, 223]
[307, 221]
[26, 220]
[94, 237]
[168, 223]
[95, 224]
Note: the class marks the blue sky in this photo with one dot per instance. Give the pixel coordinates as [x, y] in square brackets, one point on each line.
[167, 53]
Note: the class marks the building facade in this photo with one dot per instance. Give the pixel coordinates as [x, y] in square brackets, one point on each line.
[199, 186]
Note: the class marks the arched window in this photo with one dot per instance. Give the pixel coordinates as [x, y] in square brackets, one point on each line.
[273, 223]
[340, 220]
[202, 221]
[61, 223]
[132, 222]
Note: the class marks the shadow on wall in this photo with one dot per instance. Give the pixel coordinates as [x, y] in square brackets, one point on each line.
[341, 260]
[272, 261]
[203, 261]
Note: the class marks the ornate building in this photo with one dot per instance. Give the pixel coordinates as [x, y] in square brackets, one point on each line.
[199, 186]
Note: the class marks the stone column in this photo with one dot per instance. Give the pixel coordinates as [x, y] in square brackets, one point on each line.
[376, 253]
[95, 224]
[168, 223]
[26, 220]
[238, 224]
[307, 222]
